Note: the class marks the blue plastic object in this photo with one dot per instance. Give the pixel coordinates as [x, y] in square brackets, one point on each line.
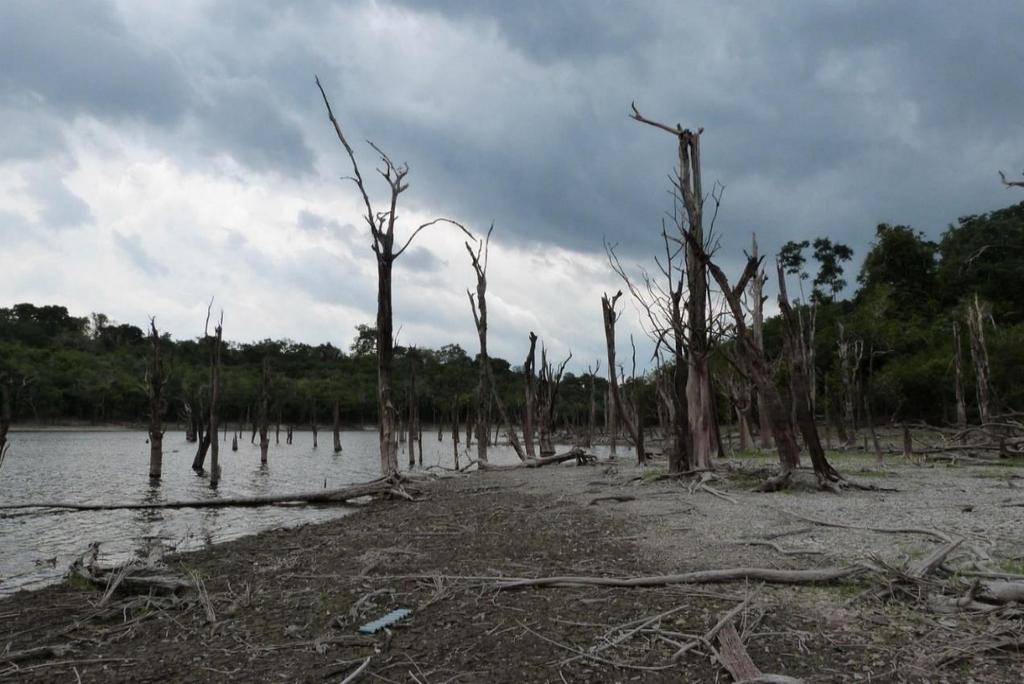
[382, 622]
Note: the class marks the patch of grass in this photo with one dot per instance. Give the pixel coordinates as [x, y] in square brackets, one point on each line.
[79, 583]
[652, 473]
[1011, 566]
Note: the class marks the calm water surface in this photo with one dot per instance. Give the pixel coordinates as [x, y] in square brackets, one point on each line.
[112, 467]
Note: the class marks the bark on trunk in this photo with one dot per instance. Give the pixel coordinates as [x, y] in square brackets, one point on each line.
[961, 404]
[976, 315]
[5, 415]
[337, 427]
[529, 379]
[215, 363]
[610, 317]
[156, 379]
[264, 413]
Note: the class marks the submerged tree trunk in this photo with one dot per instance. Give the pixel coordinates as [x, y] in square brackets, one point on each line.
[264, 412]
[5, 415]
[156, 379]
[337, 426]
[215, 363]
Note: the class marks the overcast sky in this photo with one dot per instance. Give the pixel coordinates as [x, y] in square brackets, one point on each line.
[155, 154]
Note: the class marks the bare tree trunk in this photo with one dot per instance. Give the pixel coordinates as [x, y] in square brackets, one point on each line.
[215, 355]
[312, 423]
[156, 379]
[611, 422]
[976, 315]
[961, 405]
[264, 411]
[277, 429]
[190, 422]
[547, 392]
[823, 470]
[455, 433]
[610, 317]
[849, 361]
[337, 426]
[412, 417]
[531, 396]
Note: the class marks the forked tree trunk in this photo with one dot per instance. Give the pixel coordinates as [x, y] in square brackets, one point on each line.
[264, 413]
[976, 315]
[529, 379]
[800, 384]
[156, 379]
[548, 386]
[757, 299]
[756, 366]
[610, 317]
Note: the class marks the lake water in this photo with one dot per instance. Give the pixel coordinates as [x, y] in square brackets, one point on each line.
[112, 467]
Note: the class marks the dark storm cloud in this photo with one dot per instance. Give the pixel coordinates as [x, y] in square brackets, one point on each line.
[820, 117]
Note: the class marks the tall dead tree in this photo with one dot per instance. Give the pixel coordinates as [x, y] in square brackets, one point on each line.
[850, 355]
[958, 378]
[699, 395]
[799, 380]
[610, 317]
[215, 365]
[976, 315]
[592, 418]
[487, 388]
[156, 381]
[382, 231]
[756, 308]
[530, 405]
[264, 410]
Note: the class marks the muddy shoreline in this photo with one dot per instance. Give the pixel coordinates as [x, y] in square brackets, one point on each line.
[287, 603]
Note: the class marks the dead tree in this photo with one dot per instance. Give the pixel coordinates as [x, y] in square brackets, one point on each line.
[337, 426]
[610, 318]
[756, 308]
[155, 382]
[264, 410]
[662, 307]
[203, 435]
[547, 391]
[529, 408]
[793, 345]
[312, 421]
[592, 418]
[755, 365]
[215, 364]
[958, 378]
[699, 396]
[413, 417]
[487, 388]
[382, 231]
[739, 394]
[976, 315]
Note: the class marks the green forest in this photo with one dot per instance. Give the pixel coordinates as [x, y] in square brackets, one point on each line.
[901, 310]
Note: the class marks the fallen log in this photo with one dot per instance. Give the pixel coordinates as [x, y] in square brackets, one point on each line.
[581, 457]
[324, 496]
[769, 575]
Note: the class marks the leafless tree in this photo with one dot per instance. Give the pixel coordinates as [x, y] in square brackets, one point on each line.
[618, 405]
[756, 308]
[592, 372]
[548, 383]
[382, 231]
[530, 406]
[5, 414]
[958, 378]
[487, 389]
[699, 395]
[155, 382]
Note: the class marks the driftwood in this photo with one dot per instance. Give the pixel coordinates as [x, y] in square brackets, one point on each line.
[769, 575]
[324, 496]
[581, 457]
